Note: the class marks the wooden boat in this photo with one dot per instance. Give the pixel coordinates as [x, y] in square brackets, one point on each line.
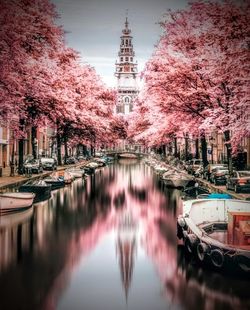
[41, 189]
[65, 176]
[217, 232]
[11, 219]
[55, 182]
[15, 201]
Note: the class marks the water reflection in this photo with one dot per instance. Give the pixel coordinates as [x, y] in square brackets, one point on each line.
[126, 248]
[107, 243]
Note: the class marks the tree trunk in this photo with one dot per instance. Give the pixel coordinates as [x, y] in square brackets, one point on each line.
[197, 151]
[59, 154]
[92, 150]
[20, 156]
[65, 149]
[204, 150]
[12, 161]
[34, 141]
[229, 151]
[186, 148]
[175, 148]
[163, 150]
[21, 149]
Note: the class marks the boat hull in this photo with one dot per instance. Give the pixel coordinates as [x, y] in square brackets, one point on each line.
[15, 201]
[55, 184]
[41, 192]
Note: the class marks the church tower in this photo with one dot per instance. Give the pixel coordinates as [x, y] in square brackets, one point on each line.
[126, 73]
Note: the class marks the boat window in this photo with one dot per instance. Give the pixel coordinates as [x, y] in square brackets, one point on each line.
[244, 174]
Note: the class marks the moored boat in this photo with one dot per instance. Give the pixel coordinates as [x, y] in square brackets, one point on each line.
[64, 175]
[176, 179]
[15, 201]
[41, 189]
[217, 232]
[76, 172]
[55, 182]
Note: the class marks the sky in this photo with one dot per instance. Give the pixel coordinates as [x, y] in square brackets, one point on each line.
[94, 27]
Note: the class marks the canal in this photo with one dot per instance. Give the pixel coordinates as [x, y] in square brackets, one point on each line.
[107, 242]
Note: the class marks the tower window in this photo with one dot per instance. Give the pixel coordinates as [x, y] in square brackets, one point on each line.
[131, 58]
[126, 99]
[126, 58]
[121, 58]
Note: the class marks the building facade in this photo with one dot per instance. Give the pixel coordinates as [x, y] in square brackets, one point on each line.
[126, 73]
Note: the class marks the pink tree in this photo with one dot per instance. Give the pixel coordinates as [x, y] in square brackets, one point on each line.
[199, 68]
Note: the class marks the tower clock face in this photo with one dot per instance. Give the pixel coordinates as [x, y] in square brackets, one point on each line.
[126, 68]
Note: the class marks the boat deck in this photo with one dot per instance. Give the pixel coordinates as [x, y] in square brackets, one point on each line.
[219, 231]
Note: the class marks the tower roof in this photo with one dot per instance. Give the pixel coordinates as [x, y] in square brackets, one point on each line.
[126, 30]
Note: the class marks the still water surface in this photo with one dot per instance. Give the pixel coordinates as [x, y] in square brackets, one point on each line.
[107, 243]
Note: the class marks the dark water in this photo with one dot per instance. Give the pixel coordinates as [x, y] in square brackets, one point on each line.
[107, 243]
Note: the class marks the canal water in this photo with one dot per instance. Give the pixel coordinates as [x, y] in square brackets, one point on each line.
[107, 242]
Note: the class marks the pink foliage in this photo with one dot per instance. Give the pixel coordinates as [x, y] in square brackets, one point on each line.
[42, 80]
[197, 78]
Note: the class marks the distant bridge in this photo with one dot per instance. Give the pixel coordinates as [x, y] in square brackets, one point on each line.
[123, 153]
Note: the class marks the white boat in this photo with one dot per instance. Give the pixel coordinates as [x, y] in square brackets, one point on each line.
[180, 180]
[92, 165]
[15, 201]
[76, 173]
[217, 232]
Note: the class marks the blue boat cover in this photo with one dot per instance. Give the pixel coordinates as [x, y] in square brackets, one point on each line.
[219, 196]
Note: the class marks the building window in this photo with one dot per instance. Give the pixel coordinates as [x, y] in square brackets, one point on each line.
[131, 58]
[126, 99]
[121, 58]
[126, 58]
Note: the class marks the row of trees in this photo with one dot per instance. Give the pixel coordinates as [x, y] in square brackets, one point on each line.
[43, 82]
[197, 80]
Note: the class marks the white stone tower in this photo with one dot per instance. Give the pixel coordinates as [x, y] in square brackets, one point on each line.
[126, 73]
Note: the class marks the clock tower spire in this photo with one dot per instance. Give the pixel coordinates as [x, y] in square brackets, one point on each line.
[126, 73]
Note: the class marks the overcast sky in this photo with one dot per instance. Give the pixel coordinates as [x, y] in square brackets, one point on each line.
[94, 29]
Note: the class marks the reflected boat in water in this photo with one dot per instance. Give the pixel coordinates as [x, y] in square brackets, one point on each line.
[112, 236]
[191, 283]
[13, 219]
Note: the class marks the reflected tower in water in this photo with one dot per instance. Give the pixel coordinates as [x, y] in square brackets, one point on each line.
[126, 249]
